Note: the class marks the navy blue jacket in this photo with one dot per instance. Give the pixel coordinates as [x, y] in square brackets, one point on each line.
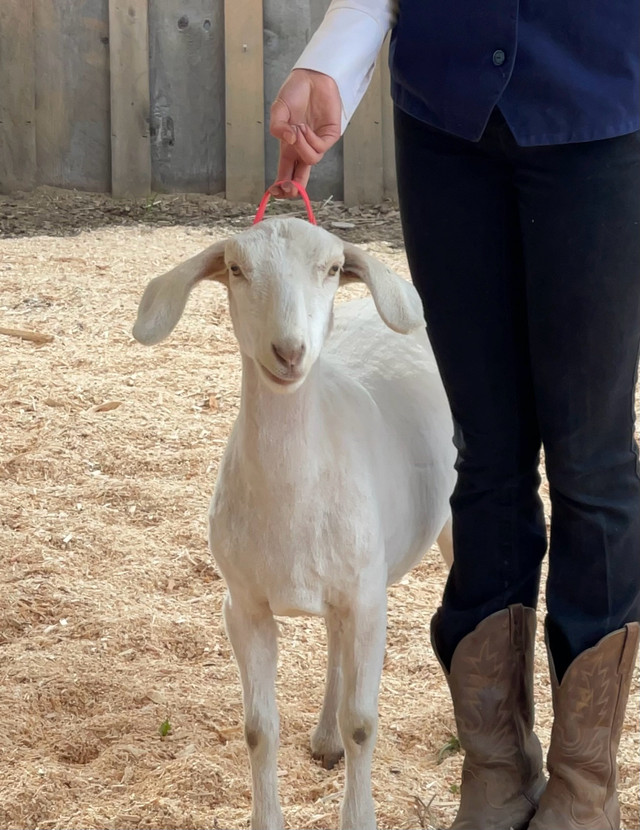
[559, 70]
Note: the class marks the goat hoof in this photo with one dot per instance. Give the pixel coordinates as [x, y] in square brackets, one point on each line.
[328, 759]
[326, 746]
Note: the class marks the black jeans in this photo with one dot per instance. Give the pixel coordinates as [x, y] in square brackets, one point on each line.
[528, 263]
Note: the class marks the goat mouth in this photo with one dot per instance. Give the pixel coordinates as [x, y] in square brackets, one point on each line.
[286, 381]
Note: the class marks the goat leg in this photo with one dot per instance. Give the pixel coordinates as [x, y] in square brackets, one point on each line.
[254, 638]
[363, 644]
[326, 743]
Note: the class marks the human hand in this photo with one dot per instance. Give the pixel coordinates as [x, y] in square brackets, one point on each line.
[306, 117]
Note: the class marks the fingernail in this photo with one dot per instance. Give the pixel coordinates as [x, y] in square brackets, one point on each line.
[290, 137]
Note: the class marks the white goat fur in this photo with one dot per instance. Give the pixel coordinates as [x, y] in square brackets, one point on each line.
[335, 481]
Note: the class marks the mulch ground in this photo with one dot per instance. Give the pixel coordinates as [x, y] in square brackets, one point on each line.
[120, 705]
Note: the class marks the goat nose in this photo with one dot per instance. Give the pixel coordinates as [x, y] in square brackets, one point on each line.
[289, 352]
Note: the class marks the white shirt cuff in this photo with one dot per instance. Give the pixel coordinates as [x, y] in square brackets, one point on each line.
[346, 45]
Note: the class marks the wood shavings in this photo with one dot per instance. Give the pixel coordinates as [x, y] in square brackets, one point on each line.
[107, 406]
[81, 704]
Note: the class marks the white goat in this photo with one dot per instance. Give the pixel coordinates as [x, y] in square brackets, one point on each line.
[335, 480]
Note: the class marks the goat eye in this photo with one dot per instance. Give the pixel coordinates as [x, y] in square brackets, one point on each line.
[236, 270]
[333, 270]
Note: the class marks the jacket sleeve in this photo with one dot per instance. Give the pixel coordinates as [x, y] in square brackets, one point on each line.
[346, 46]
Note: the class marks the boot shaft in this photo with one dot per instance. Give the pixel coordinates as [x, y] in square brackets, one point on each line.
[589, 706]
[491, 684]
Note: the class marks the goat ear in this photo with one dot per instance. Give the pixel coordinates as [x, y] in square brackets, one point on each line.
[165, 296]
[397, 301]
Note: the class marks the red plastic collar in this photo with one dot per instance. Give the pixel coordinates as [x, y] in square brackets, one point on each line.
[305, 198]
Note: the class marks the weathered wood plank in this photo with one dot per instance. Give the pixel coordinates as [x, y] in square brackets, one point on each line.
[17, 96]
[186, 45]
[245, 122]
[363, 161]
[288, 27]
[129, 74]
[72, 93]
[389, 182]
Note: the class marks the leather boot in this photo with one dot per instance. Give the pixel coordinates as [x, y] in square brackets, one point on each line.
[491, 684]
[589, 706]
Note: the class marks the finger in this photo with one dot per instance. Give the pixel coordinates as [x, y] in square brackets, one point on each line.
[305, 152]
[301, 175]
[283, 191]
[300, 151]
[286, 169]
[321, 139]
[286, 190]
[280, 122]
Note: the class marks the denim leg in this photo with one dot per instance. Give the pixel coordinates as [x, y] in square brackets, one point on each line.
[459, 212]
[579, 209]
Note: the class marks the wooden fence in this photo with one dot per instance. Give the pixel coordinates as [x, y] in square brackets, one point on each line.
[142, 96]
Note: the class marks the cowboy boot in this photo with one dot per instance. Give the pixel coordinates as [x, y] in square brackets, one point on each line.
[589, 706]
[491, 685]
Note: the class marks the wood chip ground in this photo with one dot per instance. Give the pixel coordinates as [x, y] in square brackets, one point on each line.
[119, 699]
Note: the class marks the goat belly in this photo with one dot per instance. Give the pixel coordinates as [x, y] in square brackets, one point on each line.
[297, 604]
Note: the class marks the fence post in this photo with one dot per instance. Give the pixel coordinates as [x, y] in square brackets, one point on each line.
[390, 184]
[244, 85]
[18, 97]
[363, 171]
[129, 72]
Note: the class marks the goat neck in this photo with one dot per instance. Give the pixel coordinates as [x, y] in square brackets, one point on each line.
[277, 432]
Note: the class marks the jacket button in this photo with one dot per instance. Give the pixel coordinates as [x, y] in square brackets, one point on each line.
[498, 57]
